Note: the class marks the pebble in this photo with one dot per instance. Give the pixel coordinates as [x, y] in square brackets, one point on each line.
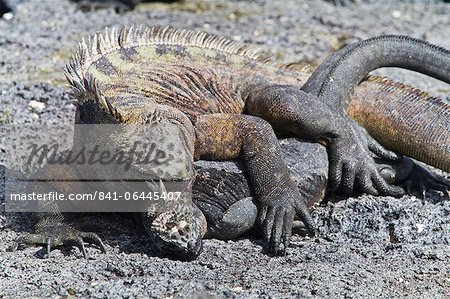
[36, 105]
[8, 16]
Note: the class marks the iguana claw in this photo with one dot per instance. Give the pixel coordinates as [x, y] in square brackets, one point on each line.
[49, 245]
[276, 223]
[351, 163]
[90, 237]
[277, 220]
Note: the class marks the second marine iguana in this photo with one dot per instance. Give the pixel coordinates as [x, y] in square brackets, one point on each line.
[394, 112]
[200, 85]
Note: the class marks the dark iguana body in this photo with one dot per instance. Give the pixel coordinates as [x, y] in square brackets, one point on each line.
[338, 76]
[381, 100]
[203, 84]
[392, 112]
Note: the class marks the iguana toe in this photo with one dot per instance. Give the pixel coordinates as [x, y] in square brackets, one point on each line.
[421, 180]
[352, 165]
[276, 222]
[91, 238]
[414, 178]
[305, 216]
[384, 188]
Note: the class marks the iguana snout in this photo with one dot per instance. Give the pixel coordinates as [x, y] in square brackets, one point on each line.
[177, 231]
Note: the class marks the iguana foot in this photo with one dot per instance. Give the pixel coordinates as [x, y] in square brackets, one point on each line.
[350, 148]
[62, 235]
[421, 181]
[252, 139]
[276, 217]
[352, 165]
[415, 179]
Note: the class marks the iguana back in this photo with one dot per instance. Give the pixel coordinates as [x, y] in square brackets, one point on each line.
[195, 72]
[131, 70]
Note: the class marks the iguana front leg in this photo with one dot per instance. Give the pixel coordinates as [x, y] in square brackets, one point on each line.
[390, 113]
[290, 110]
[228, 136]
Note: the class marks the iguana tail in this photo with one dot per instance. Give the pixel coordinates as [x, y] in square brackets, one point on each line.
[338, 76]
[401, 118]
[404, 119]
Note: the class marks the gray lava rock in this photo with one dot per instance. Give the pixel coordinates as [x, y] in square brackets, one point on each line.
[368, 247]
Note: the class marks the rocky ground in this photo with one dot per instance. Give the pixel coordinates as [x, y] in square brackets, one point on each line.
[369, 247]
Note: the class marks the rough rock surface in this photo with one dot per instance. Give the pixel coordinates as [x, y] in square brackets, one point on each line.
[369, 247]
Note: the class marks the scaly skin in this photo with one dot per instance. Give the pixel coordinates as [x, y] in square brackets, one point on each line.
[204, 84]
[379, 109]
[429, 130]
[335, 80]
[224, 194]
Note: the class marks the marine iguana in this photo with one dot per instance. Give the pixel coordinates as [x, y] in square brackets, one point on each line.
[201, 85]
[389, 113]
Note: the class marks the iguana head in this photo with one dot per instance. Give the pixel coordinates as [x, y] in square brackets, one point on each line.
[156, 146]
[177, 228]
[175, 225]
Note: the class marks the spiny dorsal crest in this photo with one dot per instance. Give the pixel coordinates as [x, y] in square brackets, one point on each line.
[102, 43]
[407, 90]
